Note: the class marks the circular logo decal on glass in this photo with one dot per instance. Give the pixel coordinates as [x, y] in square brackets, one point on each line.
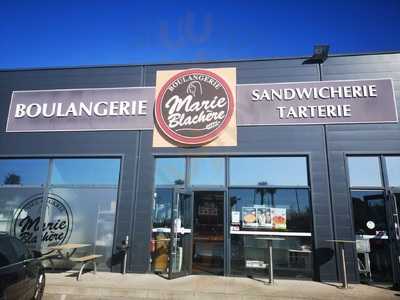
[193, 107]
[56, 227]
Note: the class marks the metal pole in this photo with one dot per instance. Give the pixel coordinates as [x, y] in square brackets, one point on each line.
[125, 255]
[125, 259]
[345, 285]
[43, 209]
[271, 268]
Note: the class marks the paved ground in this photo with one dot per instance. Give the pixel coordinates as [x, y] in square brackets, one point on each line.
[148, 286]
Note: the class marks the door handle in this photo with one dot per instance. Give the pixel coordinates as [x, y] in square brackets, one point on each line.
[396, 228]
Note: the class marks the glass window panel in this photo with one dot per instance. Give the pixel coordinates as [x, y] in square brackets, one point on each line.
[364, 171]
[161, 229]
[23, 171]
[369, 206]
[20, 213]
[207, 171]
[292, 256]
[84, 216]
[83, 171]
[393, 170]
[170, 171]
[162, 208]
[269, 209]
[268, 171]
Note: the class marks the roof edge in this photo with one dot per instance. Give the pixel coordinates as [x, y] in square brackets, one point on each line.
[190, 62]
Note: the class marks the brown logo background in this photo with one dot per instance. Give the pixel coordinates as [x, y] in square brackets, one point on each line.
[195, 107]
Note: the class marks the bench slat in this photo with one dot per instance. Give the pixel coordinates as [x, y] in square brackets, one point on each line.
[49, 256]
[86, 258]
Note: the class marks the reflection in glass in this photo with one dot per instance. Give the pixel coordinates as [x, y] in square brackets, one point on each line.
[292, 256]
[84, 215]
[208, 233]
[85, 171]
[370, 227]
[162, 208]
[20, 213]
[369, 206]
[23, 171]
[207, 171]
[181, 242]
[170, 171]
[364, 171]
[393, 170]
[268, 171]
[269, 209]
[92, 219]
[161, 229]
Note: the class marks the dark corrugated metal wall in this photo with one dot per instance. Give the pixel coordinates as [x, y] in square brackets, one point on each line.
[357, 139]
[136, 190]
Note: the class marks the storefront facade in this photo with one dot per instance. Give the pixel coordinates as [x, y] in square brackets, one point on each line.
[306, 182]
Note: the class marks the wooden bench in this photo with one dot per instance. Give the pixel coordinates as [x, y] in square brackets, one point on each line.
[84, 260]
[50, 257]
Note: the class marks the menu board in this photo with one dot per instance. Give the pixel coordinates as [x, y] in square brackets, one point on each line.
[279, 218]
[263, 217]
[235, 217]
[208, 209]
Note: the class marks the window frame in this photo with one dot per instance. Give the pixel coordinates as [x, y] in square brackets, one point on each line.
[227, 186]
[47, 186]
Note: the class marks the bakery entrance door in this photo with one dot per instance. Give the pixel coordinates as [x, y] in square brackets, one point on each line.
[208, 232]
[180, 254]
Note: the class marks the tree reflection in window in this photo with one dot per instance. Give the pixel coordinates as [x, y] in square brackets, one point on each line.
[162, 208]
[12, 179]
[24, 171]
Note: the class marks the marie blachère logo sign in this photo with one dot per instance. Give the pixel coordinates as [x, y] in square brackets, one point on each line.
[195, 107]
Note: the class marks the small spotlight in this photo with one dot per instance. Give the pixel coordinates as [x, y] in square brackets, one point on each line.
[319, 56]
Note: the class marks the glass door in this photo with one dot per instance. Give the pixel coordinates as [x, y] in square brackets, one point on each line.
[208, 232]
[371, 228]
[180, 257]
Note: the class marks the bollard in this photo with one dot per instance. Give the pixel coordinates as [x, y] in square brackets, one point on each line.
[124, 248]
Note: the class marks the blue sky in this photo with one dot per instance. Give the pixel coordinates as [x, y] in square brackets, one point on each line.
[69, 33]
